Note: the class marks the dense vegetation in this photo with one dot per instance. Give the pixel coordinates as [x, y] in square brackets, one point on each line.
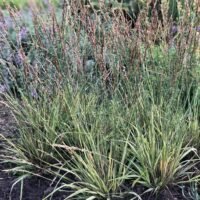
[107, 101]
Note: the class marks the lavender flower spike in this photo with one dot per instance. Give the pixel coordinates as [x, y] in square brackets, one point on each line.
[23, 34]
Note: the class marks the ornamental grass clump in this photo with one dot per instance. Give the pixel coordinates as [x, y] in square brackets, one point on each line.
[161, 156]
[105, 109]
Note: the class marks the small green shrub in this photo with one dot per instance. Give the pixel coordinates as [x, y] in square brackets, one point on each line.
[21, 3]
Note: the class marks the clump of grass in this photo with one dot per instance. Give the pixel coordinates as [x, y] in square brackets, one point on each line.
[103, 105]
[160, 154]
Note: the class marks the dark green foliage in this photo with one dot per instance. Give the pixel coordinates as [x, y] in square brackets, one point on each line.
[173, 10]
